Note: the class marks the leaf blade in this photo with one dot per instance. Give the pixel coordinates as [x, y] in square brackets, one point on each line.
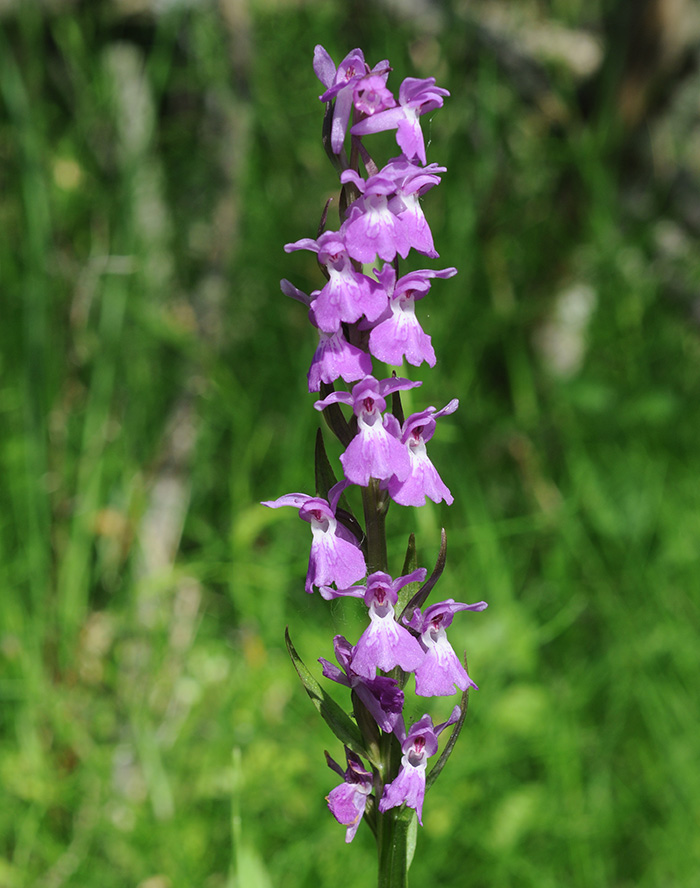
[334, 716]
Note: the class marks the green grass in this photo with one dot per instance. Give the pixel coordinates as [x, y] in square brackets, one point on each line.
[152, 392]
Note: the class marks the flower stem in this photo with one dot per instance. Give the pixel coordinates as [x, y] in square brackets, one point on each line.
[392, 847]
[392, 830]
[374, 503]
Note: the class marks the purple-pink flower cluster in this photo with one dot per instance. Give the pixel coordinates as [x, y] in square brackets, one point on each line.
[366, 313]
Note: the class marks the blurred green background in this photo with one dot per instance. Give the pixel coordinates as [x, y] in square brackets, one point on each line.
[154, 158]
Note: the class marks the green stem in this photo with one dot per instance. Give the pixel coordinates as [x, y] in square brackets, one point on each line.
[392, 848]
[392, 830]
[374, 502]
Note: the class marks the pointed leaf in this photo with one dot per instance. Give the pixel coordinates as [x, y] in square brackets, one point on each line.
[335, 420]
[322, 228]
[396, 406]
[410, 562]
[348, 520]
[447, 751]
[337, 720]
[409, 565]
[421, 596]
[408, 816]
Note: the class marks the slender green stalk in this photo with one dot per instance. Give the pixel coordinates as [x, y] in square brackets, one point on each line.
[392, 849]
[392, 831]
[375, 507]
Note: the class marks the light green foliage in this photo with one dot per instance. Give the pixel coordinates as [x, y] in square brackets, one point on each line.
[152, 392]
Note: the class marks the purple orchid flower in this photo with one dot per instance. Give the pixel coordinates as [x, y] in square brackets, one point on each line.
[381, 695]
[334, 357]
[440, 670]
[385, 643]
[416, 97]
[411, 183]
[348, 294]
[422, 480]
[347, 802]
[370, 228]
[375, 451]
[335, 555]
[397, 334]
[343, 85]
[418, 745]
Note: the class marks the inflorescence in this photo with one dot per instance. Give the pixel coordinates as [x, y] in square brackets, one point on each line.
[363, 319]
